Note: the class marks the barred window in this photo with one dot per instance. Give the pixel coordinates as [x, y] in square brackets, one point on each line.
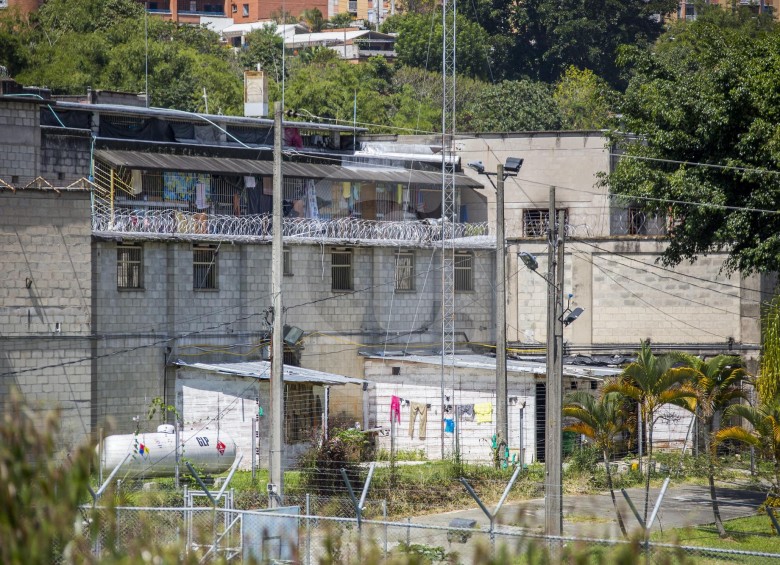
[536, 222]
[464, 271]
[204, 267]
[404, 270]
[287, 263]
[302, 412]
[341, 269]
[637, 221]
[129, 267]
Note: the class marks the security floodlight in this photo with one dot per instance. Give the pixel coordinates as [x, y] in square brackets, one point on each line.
[513, 165]
[292, 334]
[573, 315]
[478, 166]
[528, 260]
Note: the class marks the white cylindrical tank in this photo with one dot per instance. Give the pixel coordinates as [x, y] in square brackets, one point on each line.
[154, 454]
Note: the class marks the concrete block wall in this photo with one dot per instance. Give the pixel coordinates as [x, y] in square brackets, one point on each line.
[220, 320]
[570, 161]
[20, 142]
[51, 373]
[65, 155]
[46, 304]
[628, 297]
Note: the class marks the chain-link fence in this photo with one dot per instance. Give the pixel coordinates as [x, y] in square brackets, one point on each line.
[284, 535]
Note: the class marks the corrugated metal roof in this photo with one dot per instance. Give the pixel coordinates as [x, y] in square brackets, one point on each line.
[304, 39]
[262, 370]
[220, 119]
[225, 165]
[513, 366]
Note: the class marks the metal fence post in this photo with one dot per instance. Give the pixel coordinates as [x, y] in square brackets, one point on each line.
[384, 519]
[308, 530]
[408, 524]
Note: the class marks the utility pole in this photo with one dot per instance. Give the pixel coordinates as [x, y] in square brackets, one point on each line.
[502, 425]
[276, 476]
[553, 516]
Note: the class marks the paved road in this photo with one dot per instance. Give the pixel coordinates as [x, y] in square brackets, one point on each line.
[594, 516]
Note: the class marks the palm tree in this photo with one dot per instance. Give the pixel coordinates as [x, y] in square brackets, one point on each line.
[652, 382]
[764, 435]
[717, 383]
[600, 419]
[314, 19]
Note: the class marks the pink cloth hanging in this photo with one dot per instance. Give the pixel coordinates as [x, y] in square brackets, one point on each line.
[395, 409]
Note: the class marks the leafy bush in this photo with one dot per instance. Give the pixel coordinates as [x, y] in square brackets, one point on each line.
[584, 460]
[321, 465]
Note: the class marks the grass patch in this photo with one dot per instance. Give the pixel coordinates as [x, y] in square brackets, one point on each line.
[753, 533]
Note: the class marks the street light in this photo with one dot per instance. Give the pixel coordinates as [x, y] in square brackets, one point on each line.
[511, 168]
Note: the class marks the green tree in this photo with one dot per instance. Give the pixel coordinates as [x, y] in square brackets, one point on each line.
[263, 47]
[584, 100]
[763, 433]
[328, 87]
[717, 383]
[601, 420]
[420, 38]
[554, 34]
[313, 19]
[344, 19]
[283, 17]
[768, 381]
[70, 65]
[706, 94]
[522, 105]
[652, 381]
[61, 17]
[14, 34]
[89, 43]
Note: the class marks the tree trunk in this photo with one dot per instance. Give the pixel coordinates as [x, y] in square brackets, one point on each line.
[649, 424]
[711, 477]
[612, 494]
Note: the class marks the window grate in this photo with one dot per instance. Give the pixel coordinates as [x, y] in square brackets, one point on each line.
[464, 271]
[287, 263]
[404, 270]
[341, 269]
[204, 267]
[536, 222]
[129, 267]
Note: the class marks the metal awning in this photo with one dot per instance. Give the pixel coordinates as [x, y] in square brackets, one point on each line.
[229, 166]
[262, 370]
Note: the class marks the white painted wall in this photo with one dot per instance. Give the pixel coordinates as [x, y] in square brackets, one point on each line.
[226, 403]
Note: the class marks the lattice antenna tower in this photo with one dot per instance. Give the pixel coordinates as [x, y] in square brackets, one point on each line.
[448, 204]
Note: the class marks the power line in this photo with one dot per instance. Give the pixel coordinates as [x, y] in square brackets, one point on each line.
[696, 164]
[687, 275]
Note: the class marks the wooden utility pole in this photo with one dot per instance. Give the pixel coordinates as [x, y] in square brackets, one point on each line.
[276, 474]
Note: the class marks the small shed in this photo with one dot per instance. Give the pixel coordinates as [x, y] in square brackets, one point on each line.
[418, 382]
[234, 398]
